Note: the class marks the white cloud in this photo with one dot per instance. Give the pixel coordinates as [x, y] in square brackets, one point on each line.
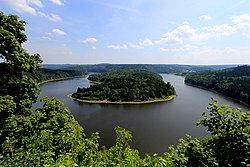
[209, 55]
[181, 34]
[185, 23]
[164, 50]
[51, 17]
[24, 6]
[47, 33]
[241, 25]
[141, 44]
[93, 47]
[118, 46]
[89, 40]
[169, 40]
[205, 17]
[181, 49]
[36, 2]
[188, 46]
[135, 46]
[54, 17]
[224, 29]
[241, 18]
[58, 32]
[243, 28]
[46, 37]
[146, 42]
[57, 2]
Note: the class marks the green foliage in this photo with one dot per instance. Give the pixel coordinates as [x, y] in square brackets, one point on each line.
[120, 154]
[31, 138]
[128, 85]
[158, 68]
[233, 82]
[230, 129]
[15, 63]
[50, 136]
[17, 91]
[43, 74]
[228, 145]
[7, 107]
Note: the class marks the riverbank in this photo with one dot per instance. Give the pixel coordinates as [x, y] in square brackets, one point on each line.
[60, 79]
[110, 102]
[211, 90]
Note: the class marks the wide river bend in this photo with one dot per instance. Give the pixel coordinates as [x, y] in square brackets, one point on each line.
[154, 126]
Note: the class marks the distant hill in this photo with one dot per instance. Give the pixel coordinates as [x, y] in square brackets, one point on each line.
[57, 66]
[159, 68]
[232, 82]
[43, 74]
[221, 67]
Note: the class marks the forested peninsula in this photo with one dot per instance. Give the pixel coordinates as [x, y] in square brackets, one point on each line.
[232, 82]
[126, 85]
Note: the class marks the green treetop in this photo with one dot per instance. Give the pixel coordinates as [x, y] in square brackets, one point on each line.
[16, 62]
[126, 85]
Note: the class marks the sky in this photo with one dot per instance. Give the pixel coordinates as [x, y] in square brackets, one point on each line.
[191, 32]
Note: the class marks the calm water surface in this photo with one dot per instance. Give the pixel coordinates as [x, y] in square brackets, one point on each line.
[154, 126]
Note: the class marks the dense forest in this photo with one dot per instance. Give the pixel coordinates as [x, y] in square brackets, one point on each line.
[43, 74]
[50, 136]
[127, 85]
[232, 82]
[158, 68]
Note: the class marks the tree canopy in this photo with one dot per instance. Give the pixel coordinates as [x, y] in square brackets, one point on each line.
[232, 82]
[44, 74]
[126, 85]
[15, 63]
[158, 68]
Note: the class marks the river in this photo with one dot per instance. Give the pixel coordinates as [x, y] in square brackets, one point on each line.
[154, 126]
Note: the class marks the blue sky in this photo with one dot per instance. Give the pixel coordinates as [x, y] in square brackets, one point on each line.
[136, 31]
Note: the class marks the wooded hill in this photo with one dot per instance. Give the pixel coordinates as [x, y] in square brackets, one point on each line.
[232, 82]
[159, 68]
[127, 85]
[43, 74]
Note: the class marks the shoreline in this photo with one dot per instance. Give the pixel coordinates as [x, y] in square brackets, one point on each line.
[59, 79]
[110, 102]
[214, 91]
